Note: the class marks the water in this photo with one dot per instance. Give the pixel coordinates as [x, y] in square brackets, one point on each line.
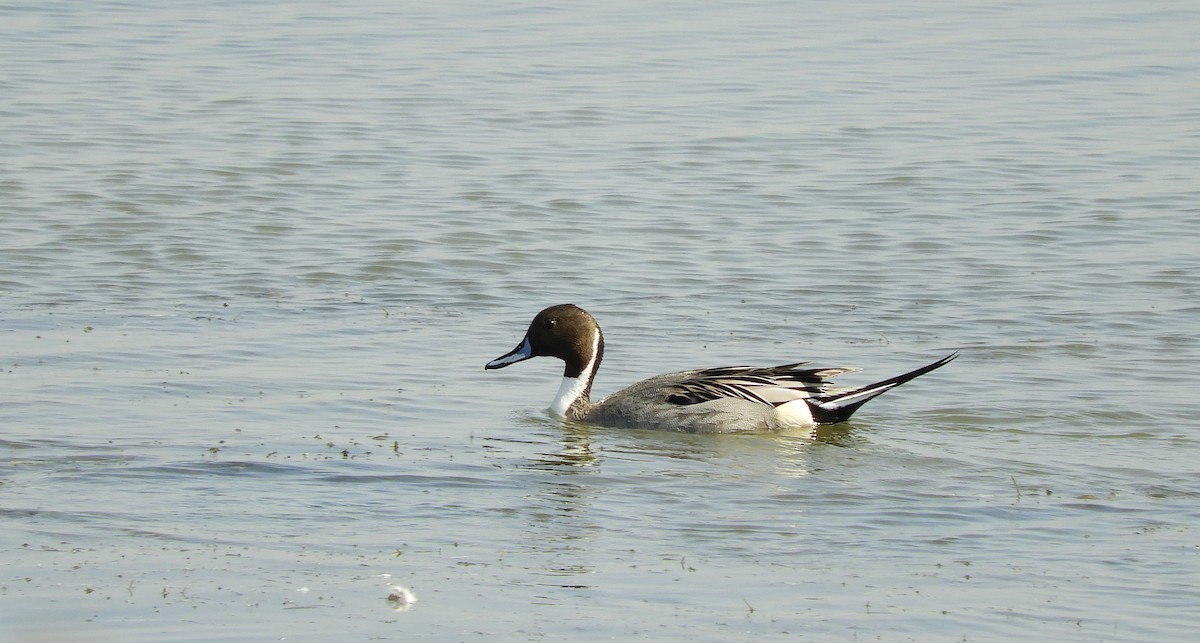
[255, 256]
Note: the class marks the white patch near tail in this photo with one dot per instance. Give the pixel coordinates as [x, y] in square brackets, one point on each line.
[794, 413]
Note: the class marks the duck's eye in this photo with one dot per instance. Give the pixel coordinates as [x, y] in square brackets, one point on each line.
[550, 322]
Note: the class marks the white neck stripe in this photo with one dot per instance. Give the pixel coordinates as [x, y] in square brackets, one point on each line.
[573, 387]
[568, 392]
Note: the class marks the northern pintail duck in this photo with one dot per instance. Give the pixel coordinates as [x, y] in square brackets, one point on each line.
[712, 400]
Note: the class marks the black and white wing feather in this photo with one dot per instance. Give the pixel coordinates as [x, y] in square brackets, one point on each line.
[778, 385]
[773, 385]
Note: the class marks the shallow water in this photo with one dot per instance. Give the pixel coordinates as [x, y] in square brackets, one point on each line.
[255, 257]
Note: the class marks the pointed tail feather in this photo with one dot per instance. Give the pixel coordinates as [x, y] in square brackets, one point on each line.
[838, 407]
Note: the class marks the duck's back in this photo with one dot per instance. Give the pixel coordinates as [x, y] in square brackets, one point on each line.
[647, 405]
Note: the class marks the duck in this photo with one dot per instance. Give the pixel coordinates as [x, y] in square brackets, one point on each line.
[711, 400]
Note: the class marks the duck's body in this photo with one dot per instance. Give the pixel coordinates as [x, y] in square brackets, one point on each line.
[715, 400]
[648, 404]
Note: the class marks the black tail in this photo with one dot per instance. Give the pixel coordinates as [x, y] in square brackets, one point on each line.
[838, 407]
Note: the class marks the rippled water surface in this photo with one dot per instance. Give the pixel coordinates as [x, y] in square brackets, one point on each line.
[255, 255]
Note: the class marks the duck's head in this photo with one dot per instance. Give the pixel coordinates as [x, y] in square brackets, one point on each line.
[565, 331]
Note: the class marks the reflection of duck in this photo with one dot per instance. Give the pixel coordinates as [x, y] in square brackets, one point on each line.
[715, 400]
[838, 435]
[576, 454]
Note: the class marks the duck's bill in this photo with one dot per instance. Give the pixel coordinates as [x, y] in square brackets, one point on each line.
[522, 352]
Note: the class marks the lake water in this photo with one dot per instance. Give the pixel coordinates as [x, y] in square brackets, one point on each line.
[255, 255]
